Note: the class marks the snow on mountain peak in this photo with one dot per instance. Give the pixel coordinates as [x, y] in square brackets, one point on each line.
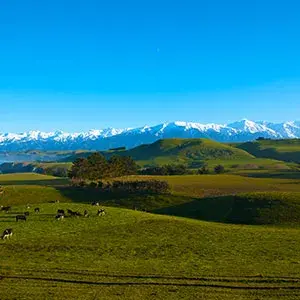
[244, 130]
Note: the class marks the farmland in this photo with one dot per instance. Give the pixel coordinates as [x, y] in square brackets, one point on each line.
[185, 246]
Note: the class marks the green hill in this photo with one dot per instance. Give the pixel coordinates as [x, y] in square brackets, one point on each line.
[260, 208]
[192, 152]
[284, 150]
[134, 255]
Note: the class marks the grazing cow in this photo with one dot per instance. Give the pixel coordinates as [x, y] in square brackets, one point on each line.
[37, 210]
[95, 203]
[56, 201]
[59, 217]
[20, 217]
[71, 212]
[86, 214]
[7, 233]
[60, 212]
[6, 208]
[101, 212]
[26, 213]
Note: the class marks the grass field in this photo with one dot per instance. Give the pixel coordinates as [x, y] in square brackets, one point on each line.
[217, 185]
[285, 150]
[135, 255]
[129, 254]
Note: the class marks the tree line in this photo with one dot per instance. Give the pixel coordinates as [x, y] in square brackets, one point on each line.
[96, 166]
[169, 170]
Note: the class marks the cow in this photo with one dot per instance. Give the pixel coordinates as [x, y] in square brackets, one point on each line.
[59, 217]
[37, 210]
[70, 212]
[95, 203]
[101, 212]
[28, 206]
[20, 217]
[26, 213]
[86, 214]
[60, 212]
[7, 233]
[6, 208]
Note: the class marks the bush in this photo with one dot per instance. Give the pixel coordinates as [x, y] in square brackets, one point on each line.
[166, 170]
[203, 170]
[145, 186]
[93, 184]
[219, 169]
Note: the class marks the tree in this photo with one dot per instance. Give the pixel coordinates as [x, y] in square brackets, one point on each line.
[203, 170]
[97, 166]
[121, 166]
[219, 169]
[79, 169]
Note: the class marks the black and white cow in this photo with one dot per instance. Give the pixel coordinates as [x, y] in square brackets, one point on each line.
[60, 212]
[59, 217]
[7, 233]
[6, 208]
[20, 217]
[101, 212]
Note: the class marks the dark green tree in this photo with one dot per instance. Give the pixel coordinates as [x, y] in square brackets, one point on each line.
[203, 170]
[97, 166]
[219, 169]
[79, 169]
[122, 166]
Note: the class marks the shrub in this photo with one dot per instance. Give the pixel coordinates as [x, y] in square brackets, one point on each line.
[203, 170]
[93, 184]
[145, 186]
[219, 169]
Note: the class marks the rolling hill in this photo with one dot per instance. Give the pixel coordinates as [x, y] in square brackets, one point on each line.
[192, 152]
[284, 150]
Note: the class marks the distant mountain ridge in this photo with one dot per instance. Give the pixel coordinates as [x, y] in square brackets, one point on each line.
[241, 131]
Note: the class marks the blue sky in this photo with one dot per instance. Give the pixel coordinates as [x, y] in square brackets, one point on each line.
[76, 65]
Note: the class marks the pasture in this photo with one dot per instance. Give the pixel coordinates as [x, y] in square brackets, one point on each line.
[135, 255]
[130, 254]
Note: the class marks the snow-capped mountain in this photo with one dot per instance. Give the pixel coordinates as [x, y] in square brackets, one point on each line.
[241, 131]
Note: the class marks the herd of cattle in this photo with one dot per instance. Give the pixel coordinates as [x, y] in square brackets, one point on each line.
[61, 214]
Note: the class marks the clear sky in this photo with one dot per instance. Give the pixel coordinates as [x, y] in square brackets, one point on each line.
[77, 65]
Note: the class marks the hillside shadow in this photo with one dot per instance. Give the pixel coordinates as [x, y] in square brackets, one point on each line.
[140, 201]
[207, 209]
[279, 175]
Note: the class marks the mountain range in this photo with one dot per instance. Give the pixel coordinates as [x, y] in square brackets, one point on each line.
[240, 131]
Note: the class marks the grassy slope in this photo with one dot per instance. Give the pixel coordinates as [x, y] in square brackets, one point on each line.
[131, 255]
[187, 151]
[285, 150]
[215, 185]
[195, 152]
[281, 208]
[134, 255]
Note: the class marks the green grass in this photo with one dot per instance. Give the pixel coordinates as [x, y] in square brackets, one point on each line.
[129, 254]
[200, 186]
[31, 179]
[285, 150]
[260, 208]
[134, 255]
[191, 152]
